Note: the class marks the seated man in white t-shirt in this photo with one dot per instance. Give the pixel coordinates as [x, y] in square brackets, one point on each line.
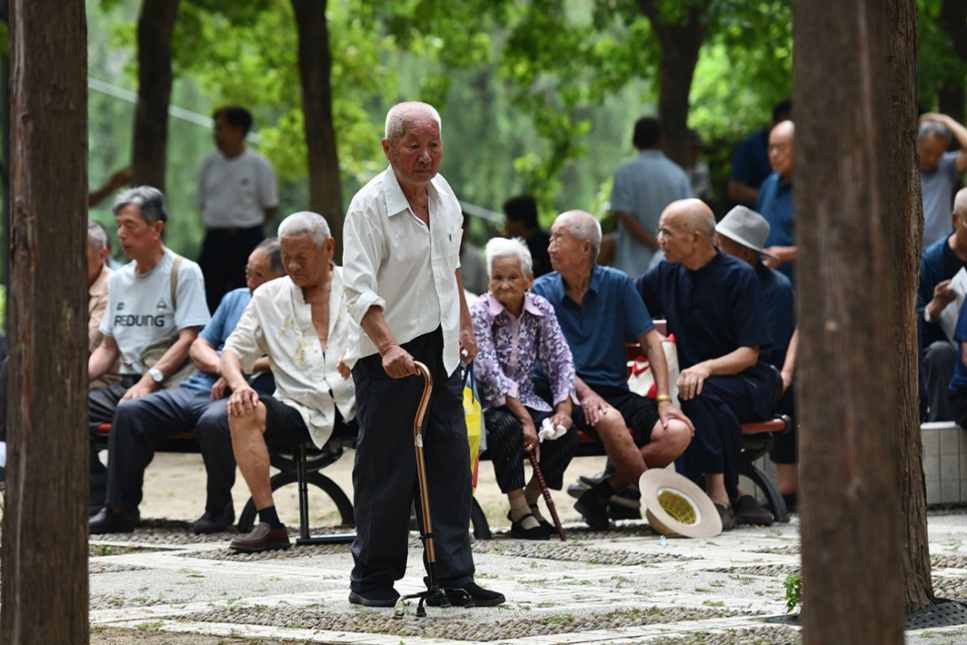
[236, 196]
[140, 312]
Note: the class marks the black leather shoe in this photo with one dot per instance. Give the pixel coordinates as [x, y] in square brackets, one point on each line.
[748, 511]
[107, 521]
[547, 526]
[214, 522]
[481, 597]
[727, 517]
[593, 506]
[262, 538]
[375, 597]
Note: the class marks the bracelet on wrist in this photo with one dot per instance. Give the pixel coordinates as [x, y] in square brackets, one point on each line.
[661, 398]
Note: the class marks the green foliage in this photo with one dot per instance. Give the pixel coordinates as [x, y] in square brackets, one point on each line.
[793, 585]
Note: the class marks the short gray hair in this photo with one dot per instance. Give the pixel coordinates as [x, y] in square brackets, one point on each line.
[306, 223]
[273, 249]
[585, 228]
[97, 236]
[149, 200]
[930, 128]
[502, 247]
[402, 113]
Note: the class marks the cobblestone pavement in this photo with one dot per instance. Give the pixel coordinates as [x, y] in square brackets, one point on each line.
[616, 588]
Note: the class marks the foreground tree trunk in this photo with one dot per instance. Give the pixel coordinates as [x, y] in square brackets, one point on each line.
[859, 213]
[315, 68]
[44, 559]
[680, 46]
[149, 154]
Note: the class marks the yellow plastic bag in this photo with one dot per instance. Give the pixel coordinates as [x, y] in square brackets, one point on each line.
[474, 416]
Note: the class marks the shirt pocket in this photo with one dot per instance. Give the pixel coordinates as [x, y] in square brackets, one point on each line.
[451, 249]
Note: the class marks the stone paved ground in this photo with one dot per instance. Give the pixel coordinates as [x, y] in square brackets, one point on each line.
[617, 588]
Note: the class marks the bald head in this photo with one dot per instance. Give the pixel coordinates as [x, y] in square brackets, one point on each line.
[687, 215]
[781, 147]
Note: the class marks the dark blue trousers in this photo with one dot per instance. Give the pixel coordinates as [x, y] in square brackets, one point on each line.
[725, 402]
[384, 475]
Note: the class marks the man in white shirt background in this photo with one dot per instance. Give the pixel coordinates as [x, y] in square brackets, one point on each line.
[404, 287]
[300, 321]
[236, 195]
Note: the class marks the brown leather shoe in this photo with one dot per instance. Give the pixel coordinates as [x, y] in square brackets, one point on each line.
[262, 538]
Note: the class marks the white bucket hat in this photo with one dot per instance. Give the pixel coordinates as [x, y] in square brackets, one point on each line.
[674, 506]
[747, 227]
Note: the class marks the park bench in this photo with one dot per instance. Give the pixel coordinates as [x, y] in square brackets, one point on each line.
[303, 465]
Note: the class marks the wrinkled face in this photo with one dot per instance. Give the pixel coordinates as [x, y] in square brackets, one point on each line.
[258, 271]
[95, 262]
[733, 248]
[416, 155]
[673, 240]
[508, 284]
[566, 251]
[780, 151]
[305, 262]
[135, 236]
[227, 137]
[931, 150]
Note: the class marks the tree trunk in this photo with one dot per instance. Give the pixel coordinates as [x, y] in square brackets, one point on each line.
[680, 46]
[149, 154]
[859, 213]
[953, 20]
[44, 555]
[315, 67]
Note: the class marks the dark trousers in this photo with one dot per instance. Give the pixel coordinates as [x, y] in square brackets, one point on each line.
[716, 414]
[224, 256]
[505, 446]
[785, 445]
[384, 475]
[140, 424]
[939, 360]
[101, 405]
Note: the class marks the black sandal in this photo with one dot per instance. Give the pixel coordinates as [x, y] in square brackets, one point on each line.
[547, 526]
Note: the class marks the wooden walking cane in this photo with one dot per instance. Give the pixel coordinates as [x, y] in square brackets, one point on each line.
[426, 525]
[545, 491]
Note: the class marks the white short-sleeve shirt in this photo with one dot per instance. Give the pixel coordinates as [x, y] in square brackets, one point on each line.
[235, 192]
[394, 261]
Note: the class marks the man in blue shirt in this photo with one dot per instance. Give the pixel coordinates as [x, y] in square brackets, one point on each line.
[599, 311]
[750, 161]
[139, 424]
[775, 201]
[958, 384]
[643, 187]
[940, 171]
[742, 234]
[713, 305]
[941, 262]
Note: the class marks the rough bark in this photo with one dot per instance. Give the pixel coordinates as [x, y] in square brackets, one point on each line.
[858, 210]
[45, 581]
[680, 46]
[156, 25]
[953, 20]
[315, 68]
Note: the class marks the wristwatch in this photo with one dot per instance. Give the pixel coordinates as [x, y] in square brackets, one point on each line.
[156, 375]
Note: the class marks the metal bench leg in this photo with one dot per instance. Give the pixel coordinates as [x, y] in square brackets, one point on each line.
[300, 467]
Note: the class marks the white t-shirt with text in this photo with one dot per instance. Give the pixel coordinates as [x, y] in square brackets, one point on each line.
[139, 309]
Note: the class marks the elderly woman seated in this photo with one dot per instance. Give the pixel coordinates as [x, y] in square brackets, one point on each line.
[514, 329]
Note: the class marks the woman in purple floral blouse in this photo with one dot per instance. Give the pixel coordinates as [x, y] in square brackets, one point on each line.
[514, 330]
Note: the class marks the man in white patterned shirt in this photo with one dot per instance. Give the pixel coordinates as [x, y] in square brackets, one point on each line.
[404, 286]
[300, 321]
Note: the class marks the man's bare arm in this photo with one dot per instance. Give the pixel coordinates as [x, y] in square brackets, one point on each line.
[102, 358]
[396, 361]
[638, 230]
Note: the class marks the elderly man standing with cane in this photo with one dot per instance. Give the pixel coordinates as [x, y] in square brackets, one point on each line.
[403, 284]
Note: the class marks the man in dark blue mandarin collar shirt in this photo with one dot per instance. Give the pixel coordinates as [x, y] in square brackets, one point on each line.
[713, 305]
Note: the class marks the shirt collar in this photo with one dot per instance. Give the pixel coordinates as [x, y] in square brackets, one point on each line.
[495, 307]
[396, 201]
[596, 278]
